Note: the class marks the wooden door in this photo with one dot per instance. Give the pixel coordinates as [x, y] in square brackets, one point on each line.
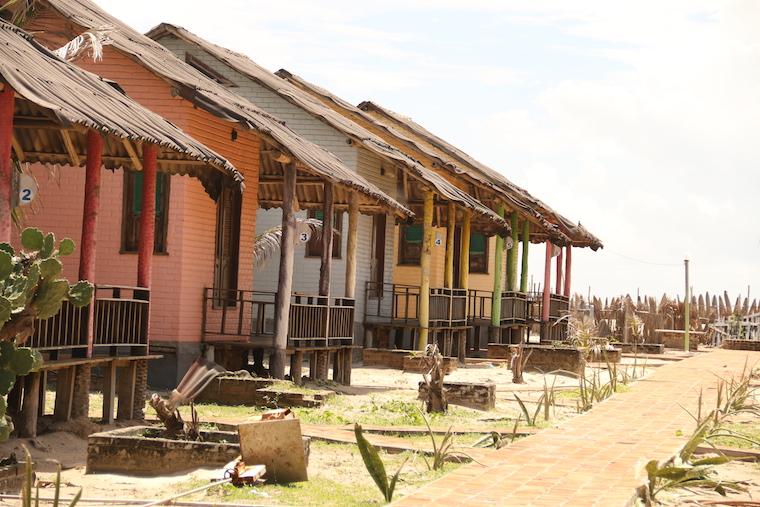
[377, 261]
[227, 246]
[457, 257]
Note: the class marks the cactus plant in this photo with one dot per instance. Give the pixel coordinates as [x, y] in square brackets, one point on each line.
[30, 289]
[30, 284]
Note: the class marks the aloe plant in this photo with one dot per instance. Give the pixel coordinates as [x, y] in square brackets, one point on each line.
[375, 465]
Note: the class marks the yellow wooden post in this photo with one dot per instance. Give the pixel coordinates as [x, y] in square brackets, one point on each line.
[425, 258]
[448, 274]
[353, 228]
[464, 251]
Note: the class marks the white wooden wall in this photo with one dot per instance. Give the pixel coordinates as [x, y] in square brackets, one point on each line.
[306, 271]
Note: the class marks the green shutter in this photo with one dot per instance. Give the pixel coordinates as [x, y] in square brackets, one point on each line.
[137, 194]
[413, 234]
[478, 243]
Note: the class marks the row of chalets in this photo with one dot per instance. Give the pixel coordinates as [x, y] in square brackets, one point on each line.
[431, 248]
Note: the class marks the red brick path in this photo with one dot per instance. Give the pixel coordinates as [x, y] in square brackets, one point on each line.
[596, 458]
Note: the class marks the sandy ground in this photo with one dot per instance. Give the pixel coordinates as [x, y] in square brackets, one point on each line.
[371, 387]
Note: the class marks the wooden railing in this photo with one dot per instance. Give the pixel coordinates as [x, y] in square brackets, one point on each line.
[514, 306]
[120, 319]
[246, 314]
[399, 304]
[121, 316]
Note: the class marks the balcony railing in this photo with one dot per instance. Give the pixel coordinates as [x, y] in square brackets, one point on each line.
[399, 304]
[514, 307]
[120, 319]
[249, 315]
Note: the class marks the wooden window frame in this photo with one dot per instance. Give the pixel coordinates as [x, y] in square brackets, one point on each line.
[473, 267]
[130, 222]
[406, 254]
[314, 247]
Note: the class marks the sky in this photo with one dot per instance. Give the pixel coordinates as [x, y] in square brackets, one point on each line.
[639, 119]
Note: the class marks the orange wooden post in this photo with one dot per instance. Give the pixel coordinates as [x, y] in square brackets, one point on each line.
[147, 217]
[90, 219]
[560, 263]
[547, 283]
[568, 269]
[6, 167]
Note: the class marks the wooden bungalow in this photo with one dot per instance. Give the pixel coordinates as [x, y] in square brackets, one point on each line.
[368, 155]
[204, 289]
[497, 302]
[59, 117]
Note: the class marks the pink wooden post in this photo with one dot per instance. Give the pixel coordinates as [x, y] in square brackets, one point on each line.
[560, 262]
[568, 268]
[90, 219]
[547, 283]
[6, 167]
[147, 216]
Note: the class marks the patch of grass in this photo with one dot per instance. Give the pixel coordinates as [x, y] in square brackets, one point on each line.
[749, 429]
[567, 394]
[316, 491]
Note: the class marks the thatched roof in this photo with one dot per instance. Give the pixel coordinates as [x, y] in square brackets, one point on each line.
[56, 103]
[444, 151]
[293, 94]
[216, 99]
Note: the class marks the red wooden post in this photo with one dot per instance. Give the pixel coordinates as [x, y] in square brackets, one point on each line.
[147, 216]
[560, 263]
[90, 219]
[547, 283]
[568, 268]
[6, 167]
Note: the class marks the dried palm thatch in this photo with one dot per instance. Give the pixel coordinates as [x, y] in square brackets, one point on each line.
[267, 244]
[92, 40]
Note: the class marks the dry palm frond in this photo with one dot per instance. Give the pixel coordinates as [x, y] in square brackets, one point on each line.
[18, 11]
[268, 242]
[92, 40]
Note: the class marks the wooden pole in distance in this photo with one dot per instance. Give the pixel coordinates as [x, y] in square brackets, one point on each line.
[568, 269]
[351, 245]
[464, 246]
[547, 286]
[90, 220]
[147, 217]
[686, 306]
[525, 245]
[7, 101]
[425, 259]
[285, 280]
[560, 264]
[512, 253]
[498, 259]
[325, 267]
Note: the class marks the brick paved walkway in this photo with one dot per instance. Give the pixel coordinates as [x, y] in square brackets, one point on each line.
[596, 458]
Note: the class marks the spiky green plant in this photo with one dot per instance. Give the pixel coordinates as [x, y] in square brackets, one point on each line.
[27, 500]
[443, 451]
[31, 287]
[530, 419]
[375, 465]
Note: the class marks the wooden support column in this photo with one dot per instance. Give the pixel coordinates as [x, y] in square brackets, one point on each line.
[296, 367]
[448, 274]
[147, 216]
[90, 220]
[109, 391]
[27, 427]
[560, 265]
[351, 245]
[64, 394]
[525, 245]
[498, 259]
[512, 254]
[285, 279]
[337, 365]
[425, 261]
[547, 291]
[325, 267]
[568, 269]
[347, 364]
[464, 252]
[6, 164]
[125, 389]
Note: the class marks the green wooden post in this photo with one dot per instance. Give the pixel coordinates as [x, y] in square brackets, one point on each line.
[686, 308]
[498, 258]
[512, 254]
[525, 243]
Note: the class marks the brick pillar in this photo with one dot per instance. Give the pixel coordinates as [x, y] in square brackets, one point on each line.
[81, 404]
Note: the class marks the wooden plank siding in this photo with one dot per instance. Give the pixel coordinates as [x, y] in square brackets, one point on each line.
[367, 164]
[179, 276]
